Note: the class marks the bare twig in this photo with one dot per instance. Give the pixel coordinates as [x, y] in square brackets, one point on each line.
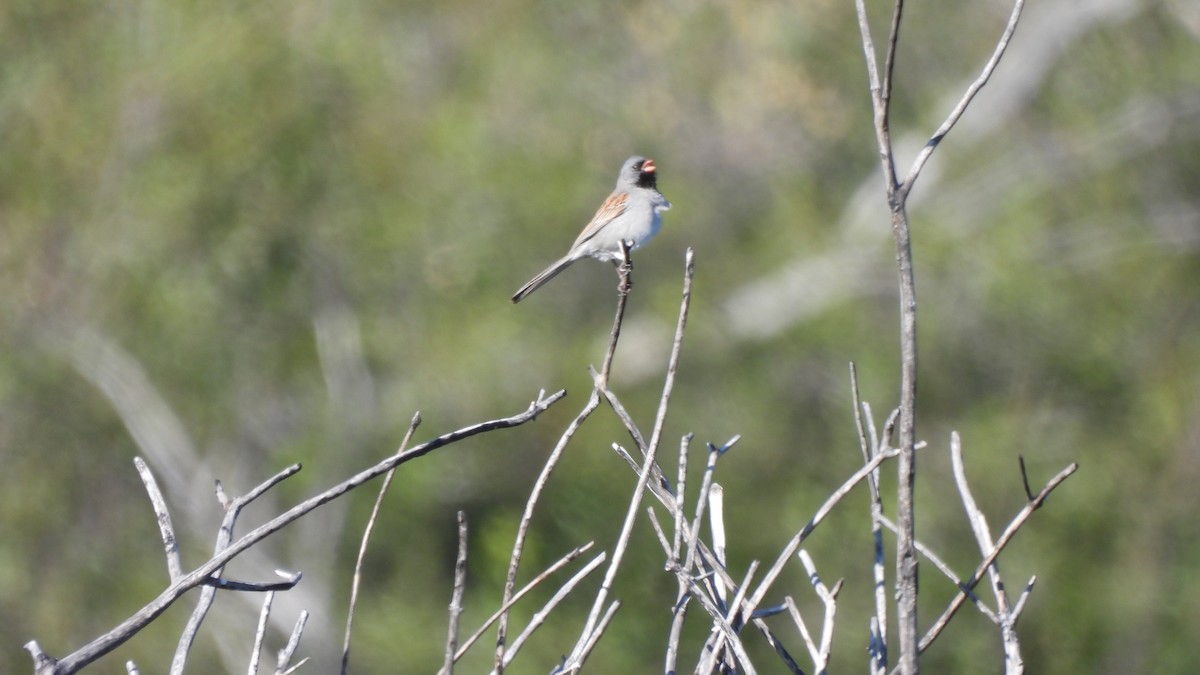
[793, 667]
[622, 414]
[128, 628]
[366, 538]
[906, 552]
[601, 627]
[968, 96]
[879, 95]
[456, 598]
[260, 633]
[1009, 532]
[721, 625]
[658, 480]
[290, 579]
[1020, 604]
[624, 269]
[680, 492]
[947, 572]
[716, 522]
[575, 553]
[1025, 477]
[539, 617]
[165, 528]
[293, 643]
[296, 668]
[897, 198]
[535, 495]
[659, 532]
[794, 545]
[702, 502]
[579, 654]
[870, 446]
[798, 619]
[829, 599]
[233, 508]
[1013, 663]
[676, 633]
[624, 285]
[731, 618]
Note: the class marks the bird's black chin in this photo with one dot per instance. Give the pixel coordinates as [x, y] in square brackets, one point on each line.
[647, 179]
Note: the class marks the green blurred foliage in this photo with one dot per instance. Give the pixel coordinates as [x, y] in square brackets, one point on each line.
[272, 231]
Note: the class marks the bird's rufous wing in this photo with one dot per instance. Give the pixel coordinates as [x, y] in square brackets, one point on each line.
[612, 207]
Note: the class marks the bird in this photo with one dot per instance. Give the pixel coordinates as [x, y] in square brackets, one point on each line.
[632, 213]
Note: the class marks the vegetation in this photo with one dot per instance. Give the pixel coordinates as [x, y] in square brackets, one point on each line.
[236, 236]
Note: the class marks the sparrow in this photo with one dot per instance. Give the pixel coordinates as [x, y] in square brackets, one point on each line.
[632, 213]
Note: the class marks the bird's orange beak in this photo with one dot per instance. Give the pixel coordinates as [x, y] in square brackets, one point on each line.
[648, 166]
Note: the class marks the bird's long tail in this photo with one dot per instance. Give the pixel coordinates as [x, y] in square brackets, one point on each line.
[542, 277]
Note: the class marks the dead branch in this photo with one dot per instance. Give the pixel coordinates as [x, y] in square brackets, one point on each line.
[45, 665]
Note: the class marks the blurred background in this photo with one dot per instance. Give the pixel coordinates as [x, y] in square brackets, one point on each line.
[234, 236]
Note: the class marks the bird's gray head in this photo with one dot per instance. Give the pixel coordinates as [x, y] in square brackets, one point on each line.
[638, 171]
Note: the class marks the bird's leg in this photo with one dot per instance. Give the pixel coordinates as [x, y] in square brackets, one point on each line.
[624, 269]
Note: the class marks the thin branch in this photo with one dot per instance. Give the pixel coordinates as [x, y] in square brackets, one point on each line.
[366, 538]
[659, 532]
[586, 636]
[739, 595]
[879, 100]
[978, 521]
[658, 479]
[535, 495]
[829, 599]
[293, 643]
[731, 616]
[722, 625]
[1025, 477]
[716, 523]
[798, 619]
[793, 667]
[540, 616]
[648, 464]
[1020, 604]
[456, 598]
[562, 562]
[702, 501]
[1009, 532]
[233, 508]
[948, 573]
[601, 627]
[906, 560]
[128, 628]
[681, 532]
[680, 491]
[165, 528]
[601, 383]
[870, 446]
[296, 668]
[957, 113]
[794, 545]
[260, 633]
[906, 466]
[1013, 662]
[43, 663]
[290, 579]
[889, 63]
[624, 270]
